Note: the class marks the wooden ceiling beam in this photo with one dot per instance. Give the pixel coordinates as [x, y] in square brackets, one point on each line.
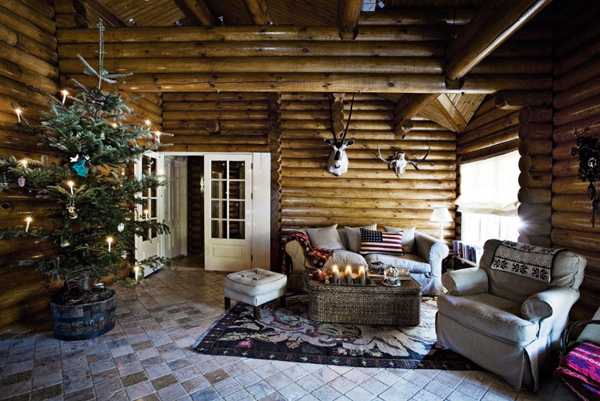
[348, 14]
[407, 107]
[493, 24]
[198, 11]
[109, 18]
[417, 16]
[259, 12]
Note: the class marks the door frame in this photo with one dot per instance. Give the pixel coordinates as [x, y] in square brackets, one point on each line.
[261, 223]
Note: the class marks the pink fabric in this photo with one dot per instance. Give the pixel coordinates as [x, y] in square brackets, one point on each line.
[580, 370]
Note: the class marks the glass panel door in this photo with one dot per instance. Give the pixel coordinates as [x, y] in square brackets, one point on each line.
[228, 199]
[228, 212]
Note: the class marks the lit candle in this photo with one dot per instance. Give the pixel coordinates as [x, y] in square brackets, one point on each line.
[136, 273]
[71, 184]
[348, 274]
[335, 272]
[146, 213]
[64, 94]
[362, 276]
[114, 125]
[157, 134]
[24, 162]
[109, 241]
[28, 221]
[18, 112]
[148, 123]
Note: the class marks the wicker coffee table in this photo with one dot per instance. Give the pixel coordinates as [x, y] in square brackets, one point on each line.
[373, 304]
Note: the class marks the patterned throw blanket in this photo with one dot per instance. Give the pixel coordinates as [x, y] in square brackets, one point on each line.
[580, 370]
[316, 256]
[525, 260]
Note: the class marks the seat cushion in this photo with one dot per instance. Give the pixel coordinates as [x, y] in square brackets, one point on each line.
[255, 282]
[412, 262]
[490, 315]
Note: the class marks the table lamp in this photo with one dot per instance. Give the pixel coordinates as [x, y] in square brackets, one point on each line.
[441, 215]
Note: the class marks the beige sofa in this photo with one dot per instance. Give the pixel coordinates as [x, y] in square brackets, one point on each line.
[424, 264]
[504, 322]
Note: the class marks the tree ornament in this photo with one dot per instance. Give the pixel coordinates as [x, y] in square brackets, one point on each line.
[72, 212]
[80, 165]
[21, 181]
[121, 227]
[64, 243]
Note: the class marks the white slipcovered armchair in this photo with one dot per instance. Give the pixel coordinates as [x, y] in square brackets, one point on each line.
[504, 322]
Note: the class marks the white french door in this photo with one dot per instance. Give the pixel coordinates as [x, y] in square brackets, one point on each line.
[228, 217]
[152, 208]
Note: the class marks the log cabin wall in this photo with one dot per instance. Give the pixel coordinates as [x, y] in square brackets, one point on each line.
[576, 109]
[369, 192]
[28, 74]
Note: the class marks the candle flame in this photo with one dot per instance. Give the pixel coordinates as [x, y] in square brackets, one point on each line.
[148, 123]
[28, 219]
[64, 92]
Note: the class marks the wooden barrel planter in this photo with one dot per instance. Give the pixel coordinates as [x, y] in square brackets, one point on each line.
[83, 321]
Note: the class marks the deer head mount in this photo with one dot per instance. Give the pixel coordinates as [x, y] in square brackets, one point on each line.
[338, 159]
[398, 162]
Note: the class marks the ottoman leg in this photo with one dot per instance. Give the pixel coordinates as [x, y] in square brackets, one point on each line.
[227, 303]
[257, 313]
[283, 301]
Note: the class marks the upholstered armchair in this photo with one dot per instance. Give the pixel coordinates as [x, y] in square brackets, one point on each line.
[505, 320]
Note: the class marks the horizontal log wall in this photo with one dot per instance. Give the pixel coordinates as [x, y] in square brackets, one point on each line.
[576, 108]
[28, 74]
[369, 192]
[394, 58]
[210, 122]
[535, 179]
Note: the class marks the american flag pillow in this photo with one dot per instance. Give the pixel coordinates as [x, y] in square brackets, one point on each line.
[372, 241]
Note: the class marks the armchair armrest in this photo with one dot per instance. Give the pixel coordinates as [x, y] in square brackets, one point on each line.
[469, 281]
[296, 253]
[551, 302]
[432, 250]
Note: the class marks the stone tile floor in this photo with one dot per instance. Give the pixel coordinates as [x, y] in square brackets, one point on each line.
[147, 357]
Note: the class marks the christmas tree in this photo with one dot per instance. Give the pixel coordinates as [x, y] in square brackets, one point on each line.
[96, 207]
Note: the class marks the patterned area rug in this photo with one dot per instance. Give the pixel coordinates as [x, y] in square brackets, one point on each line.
[286, 334]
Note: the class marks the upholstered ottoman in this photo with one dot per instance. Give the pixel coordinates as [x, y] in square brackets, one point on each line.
[254, 287]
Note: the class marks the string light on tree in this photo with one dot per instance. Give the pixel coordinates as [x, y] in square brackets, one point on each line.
[18, 112]
[109, 241]
[28, 221]
[64, 94]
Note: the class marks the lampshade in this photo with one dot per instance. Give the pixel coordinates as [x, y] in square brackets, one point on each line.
[440, 214]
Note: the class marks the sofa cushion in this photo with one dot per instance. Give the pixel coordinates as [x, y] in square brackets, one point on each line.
[412, 262]
[372, 241]
[342, 258]
[490, 315]
[255, 282]
[408, 237]
[351, 236]
[325, 237]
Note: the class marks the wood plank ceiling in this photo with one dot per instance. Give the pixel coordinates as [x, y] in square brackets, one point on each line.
[452, 111]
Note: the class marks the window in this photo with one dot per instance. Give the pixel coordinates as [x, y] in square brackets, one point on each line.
[489, 199]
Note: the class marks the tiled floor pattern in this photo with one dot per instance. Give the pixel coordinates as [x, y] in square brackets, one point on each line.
[147, 357]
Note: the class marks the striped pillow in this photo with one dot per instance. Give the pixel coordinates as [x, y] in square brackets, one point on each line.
[372, 241]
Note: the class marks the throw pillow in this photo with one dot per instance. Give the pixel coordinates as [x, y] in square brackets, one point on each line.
[408, 237]
[351, 236]
[325, 238]
[380, 242]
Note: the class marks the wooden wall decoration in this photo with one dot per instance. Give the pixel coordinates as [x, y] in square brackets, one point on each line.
[369, 192]
[28, 74]
[576, 108]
